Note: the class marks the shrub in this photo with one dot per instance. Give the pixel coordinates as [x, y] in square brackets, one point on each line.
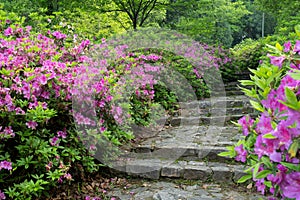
[39, 147]
[40, 143]
[270, 145]
[244, 55]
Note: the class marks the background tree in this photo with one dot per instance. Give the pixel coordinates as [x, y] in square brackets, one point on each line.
[251, 24]
[210, 21]
[139, 11]
[285, 12]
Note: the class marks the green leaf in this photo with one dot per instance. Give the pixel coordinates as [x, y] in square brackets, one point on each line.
[297, 30]
[294, 148]
[269, 136]
[255, 170]
[266, 161]
[226, 154]
[292, 101]
[246, 82]
[244, 178]
[295, 167]
[268, 184]
[263, 174]
[279, 47]
[295, 76]
[291, 96]
[257, 106]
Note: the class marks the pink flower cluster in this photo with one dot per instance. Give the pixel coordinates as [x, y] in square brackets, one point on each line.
[277, 133]
[2, 195]
[5, 165]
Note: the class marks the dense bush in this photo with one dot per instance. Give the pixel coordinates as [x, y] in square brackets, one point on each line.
[70, 19]
[244, 55]
[40, 146]
[271, 142]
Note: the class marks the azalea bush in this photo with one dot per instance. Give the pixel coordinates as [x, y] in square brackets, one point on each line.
[270, 144]
[40, 74]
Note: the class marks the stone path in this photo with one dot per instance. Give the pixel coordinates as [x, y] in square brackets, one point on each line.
[188, 150]
[169, 190]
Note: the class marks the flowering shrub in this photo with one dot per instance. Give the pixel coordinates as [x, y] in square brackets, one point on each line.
[38, 146]
[270, 144]
[39, 143]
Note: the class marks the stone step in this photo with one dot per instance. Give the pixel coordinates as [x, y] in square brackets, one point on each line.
[187, 143]
[189, 170]
[203, 120]
[207, 112]
[233, 92]
[217, 102]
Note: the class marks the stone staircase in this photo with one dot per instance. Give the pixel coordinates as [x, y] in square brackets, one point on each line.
[188, 148]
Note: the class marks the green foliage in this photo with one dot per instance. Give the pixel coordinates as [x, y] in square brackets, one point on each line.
[275, 95]
[212, 22]
[284, 13]
[244, 55]
[251, 24]
[69, 18]
[141, 11]
[185, 68]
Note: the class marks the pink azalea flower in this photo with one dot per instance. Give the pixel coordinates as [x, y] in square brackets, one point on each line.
[275, 156]
[297, 47]
[68, 176]
[8, 31]
[9, 131]
[62, 134]
[265, 146]
[59, 35]
[2, 195]
[277, 60]
[43, 79]
[260, 186]
[54, 141]
[246, 122]
[5, 165]
[264, 125]
[241, 153]
[280, 175]
[292, 187]
[32, 124]
[287, 46]
[283, 134]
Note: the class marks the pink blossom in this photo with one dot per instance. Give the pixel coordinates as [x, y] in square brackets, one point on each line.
[32, 124]
[277, 60]
[54, 141]
[59, 35]
[62, 134]
[2, 195]
[264, 125]
[297, 46]
[43, 79]
[260, 186]
[68, 176]
[5, 165]
[287, 46]
[246, 122]
[9, 131]
[49, 166]
[8, 31]
[241, 153]
[291, 188]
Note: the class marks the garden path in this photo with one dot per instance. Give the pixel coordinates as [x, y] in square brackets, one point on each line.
[181, 161]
